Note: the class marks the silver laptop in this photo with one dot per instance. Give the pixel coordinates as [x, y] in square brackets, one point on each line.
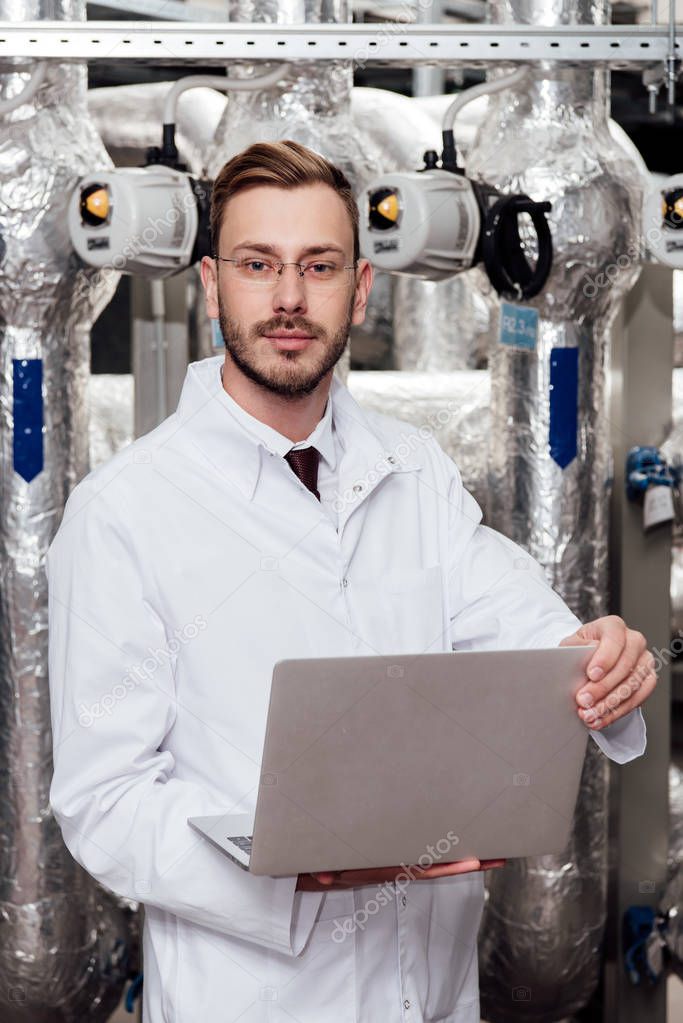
[373, 761]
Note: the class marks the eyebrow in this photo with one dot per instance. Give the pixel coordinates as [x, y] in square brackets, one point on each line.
[311, 250]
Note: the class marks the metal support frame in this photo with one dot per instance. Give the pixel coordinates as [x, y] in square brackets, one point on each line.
[429, 80]
[642, 361]
[614, 46]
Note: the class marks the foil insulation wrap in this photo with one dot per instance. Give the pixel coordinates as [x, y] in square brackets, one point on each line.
[454, 407]
[672, 450]
[549, 138]
[110, 413]
[549, 468]
[311, 102]
[540, 938]
[677, 585]
[671, 904]
[440, 326]
[63, 939]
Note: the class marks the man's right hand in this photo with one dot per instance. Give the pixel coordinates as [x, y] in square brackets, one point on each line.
[325, 881]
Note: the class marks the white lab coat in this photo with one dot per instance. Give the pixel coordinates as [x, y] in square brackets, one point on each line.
[185, 567]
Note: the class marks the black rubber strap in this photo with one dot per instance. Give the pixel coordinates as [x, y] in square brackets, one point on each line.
[203, 245]
[506, 264]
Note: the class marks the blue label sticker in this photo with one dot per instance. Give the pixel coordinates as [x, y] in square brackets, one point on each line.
[564, 405]
[27, 414]
[518, 326]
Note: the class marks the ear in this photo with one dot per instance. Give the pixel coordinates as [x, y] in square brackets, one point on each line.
[364, 278]
[209, 274]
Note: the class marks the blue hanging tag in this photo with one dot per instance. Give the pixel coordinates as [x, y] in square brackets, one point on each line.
[27, 412]
[518, 326]
[564, 405]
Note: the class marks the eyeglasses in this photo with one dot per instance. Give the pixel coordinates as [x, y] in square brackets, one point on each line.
[327, 273]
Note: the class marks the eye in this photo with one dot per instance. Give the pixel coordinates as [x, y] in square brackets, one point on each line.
[320, 269]
[255, 266]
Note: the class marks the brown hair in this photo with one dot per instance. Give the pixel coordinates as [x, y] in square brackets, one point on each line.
[284, 164]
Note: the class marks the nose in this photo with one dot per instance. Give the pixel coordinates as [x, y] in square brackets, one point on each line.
[289, 294]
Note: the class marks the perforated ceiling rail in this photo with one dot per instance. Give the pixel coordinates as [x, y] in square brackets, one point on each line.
[390, 43]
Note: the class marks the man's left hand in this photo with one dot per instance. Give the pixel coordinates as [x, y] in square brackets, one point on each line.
[621, 671]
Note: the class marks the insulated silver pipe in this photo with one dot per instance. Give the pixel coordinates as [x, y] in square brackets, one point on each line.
[549, 465]
[38, 73]
[63, 939]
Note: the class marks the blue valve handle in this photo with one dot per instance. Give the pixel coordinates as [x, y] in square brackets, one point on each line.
[639, 922]
[645, 468]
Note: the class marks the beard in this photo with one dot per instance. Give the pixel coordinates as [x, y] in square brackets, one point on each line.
[288, 373]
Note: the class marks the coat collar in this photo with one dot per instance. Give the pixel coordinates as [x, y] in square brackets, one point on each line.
[207, 422]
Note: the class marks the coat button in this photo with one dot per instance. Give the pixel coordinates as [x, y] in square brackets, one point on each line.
[358, 487]
[403, 900]
[406, 1004]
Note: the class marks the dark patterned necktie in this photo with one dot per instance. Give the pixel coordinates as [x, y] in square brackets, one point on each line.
[304, 463]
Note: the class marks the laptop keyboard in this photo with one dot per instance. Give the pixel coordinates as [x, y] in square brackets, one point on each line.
[243, 842]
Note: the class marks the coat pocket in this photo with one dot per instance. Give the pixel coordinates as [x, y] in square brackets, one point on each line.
[402, 611]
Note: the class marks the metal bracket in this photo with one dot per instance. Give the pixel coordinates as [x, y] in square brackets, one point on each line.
[395, 44]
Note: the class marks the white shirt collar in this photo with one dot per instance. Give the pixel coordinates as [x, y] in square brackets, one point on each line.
[321, 437]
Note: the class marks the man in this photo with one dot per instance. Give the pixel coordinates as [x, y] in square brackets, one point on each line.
[270, 517]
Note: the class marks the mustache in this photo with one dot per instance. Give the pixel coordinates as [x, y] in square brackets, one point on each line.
[296, 324]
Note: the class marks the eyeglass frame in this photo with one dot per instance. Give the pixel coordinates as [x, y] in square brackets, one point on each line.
[278, 263]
